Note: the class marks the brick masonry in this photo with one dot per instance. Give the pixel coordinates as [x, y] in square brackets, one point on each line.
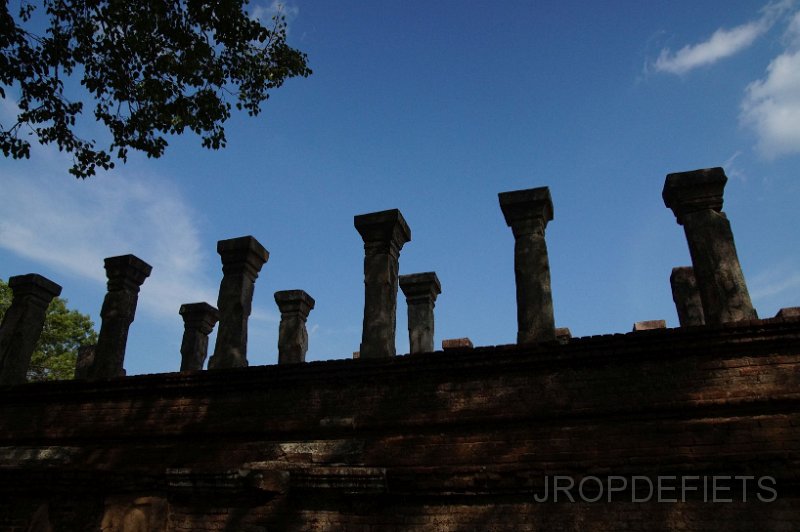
[457, 440]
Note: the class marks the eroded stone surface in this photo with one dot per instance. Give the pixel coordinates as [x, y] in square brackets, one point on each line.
[527, 213]
[649, 325]
[22, 324]
[420, 290]
[198, 322]
[126, 274]
[294, 305]
[457, 343]
[696, 200]
[686, 296]
[384, 234]
[242, 260]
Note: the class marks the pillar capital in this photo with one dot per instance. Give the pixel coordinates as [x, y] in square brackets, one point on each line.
[126, 272]
[383, 231]
[243, 255]
[421, 287]
[201, 316]
[697, 190]
[294, 302]
[36, 289]
[22, 324]
[527, 211]
[292, 334]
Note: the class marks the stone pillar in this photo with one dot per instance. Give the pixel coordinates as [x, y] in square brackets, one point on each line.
[420, 290]
[242, 259]
[527, 213]
[85, 361]
[384, 234]
[198, 322]
[292, 334]
[696, 199]
[686, 296]
[125, 274]
[22, 324]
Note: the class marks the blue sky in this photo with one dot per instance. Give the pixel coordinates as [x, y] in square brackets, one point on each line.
[434, 108]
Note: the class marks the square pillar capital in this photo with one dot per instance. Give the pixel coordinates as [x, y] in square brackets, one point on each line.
[527, 211]
[242, 255]
[294, 302]
[126, 272]
[383, 230]
[420, 286]
[697, 190]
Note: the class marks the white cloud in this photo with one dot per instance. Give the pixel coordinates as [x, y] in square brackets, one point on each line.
[72, 226]
[781, 280]
[722, 43]
[772, 107]
[265, 13]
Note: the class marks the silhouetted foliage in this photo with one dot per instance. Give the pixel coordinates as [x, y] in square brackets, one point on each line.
[64, 332]
[150, 67]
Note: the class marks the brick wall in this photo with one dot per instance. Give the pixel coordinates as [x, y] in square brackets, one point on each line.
[461, 440]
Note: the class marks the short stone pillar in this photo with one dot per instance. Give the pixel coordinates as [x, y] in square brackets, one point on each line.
[295, 306]
[696, 199]
[198, 322]
[126, 274]
[22, 324]
[84, 361]
[420, 290]
[384, 234]
[242, 259]
[686, 296]
[527, 213]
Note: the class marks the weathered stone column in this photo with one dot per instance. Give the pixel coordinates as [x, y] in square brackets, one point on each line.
[292, 334]
[22, 324]
[527, 213]
[696, 199]
[84, 361]
[686, 296]
[384, 234]
[242, 259]
[126, 274]
[198, 322]
[420, 290]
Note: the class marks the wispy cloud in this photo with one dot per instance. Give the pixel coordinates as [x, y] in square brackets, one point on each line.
[72, 226]
[780, 280]
[265, 13]
[771, 105]
[722, 43]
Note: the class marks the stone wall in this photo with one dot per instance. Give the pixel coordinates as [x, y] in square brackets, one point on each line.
[456, 440]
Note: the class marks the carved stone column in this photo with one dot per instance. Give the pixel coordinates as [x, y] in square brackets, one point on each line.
[22, 324]
[527, 213]
[295, 306]
[84, 361]
[420, 290]
[198, 322]
[686, 296]
[384, 234]
[242, 259]
[696, 199]
[126, 274]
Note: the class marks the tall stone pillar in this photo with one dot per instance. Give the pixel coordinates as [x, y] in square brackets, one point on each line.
[420, 290]
[686, 296]
[242, 259]
[126, 274]
[696, 199]
[198, 322]
[22, 324]
[384, 234]
[527, 213]
[295, 306]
